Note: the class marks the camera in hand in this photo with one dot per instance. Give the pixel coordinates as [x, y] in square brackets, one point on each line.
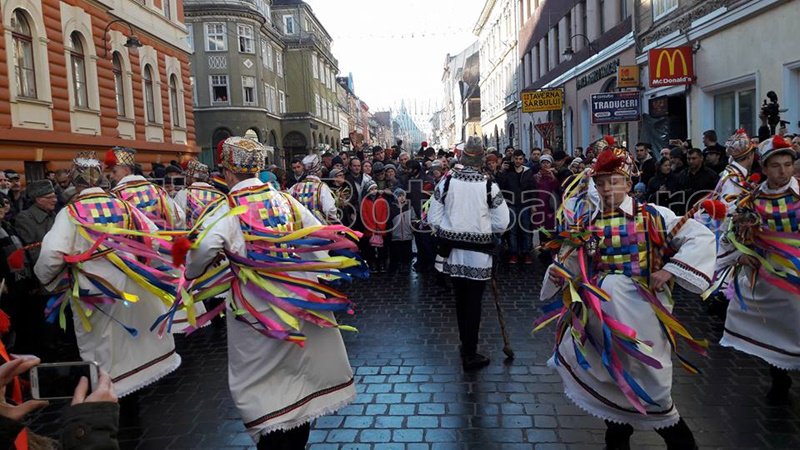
[58, 380]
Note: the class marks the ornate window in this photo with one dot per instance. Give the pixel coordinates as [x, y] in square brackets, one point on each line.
[149, 94]
[24, 68]
[78, 60]
[175, 112]
[119, 84]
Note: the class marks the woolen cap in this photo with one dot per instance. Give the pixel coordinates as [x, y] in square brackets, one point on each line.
[40, 188]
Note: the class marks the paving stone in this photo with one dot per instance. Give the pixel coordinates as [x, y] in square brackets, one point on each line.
[413, 394]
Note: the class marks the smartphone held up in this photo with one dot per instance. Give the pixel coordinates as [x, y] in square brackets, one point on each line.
[56, 381]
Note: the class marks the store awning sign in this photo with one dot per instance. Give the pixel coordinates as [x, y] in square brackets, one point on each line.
[628, 76]
[615, 107]
[544, 100]
[671, 66]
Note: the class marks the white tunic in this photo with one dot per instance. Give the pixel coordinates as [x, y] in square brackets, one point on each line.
[463, 214]
[593, 389]
[327, 202]
[132, 362]
[276, 385]
[178, 215]
[770, 327]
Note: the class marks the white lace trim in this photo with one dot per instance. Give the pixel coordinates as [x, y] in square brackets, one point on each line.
[670, 420]
[687, 279]
[759, 352]
[164, 371]
[283, 426]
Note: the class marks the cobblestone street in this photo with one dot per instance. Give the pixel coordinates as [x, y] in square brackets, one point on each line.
[414, 395]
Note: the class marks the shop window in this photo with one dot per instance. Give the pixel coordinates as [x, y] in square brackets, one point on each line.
[735, 109]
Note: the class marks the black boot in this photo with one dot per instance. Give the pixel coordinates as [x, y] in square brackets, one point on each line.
[618, 436]
[474, 362]
[781, 382]
[678, 437]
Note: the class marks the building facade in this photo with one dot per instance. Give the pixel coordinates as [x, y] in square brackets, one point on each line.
[312, 117]
[462, 94]
[498, 31]
[735, 63]
[577, 47]
[80, 75]
[238, 73]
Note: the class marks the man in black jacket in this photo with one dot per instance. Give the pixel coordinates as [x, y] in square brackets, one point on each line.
[713, 152]
[517, 184]
[645, 162]
[697, 180]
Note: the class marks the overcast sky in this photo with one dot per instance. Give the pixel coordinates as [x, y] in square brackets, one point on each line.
[396, 49]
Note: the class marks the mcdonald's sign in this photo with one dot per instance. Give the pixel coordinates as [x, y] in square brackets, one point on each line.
[671, 66]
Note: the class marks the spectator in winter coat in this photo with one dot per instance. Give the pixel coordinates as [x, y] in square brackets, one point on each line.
[663, 185]
[517, 184]
[375, 216]
[548, 193]
[645, 162]
[403, 216]
[713, 152]
[697, 180]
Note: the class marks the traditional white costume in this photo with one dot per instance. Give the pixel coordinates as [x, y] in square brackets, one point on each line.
[276, 384]
[315, 195]
[763, 317]
[133, 359]
[455, 221]
[609, 315]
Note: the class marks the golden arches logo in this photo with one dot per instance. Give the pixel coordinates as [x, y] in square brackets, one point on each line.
[672, 55]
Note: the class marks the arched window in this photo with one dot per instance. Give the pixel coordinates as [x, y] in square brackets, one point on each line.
[149, 95]
[23, 55]
[175, 112]
[81, 97]
[119, 84]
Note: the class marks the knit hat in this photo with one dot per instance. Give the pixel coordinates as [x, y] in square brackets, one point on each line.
[473, 152]
[86, 170]
[242, 155]
[547, 158]
[334, 172]
[313, 164]
[40, 188]
[371, 184]
[337, 160]
[197, 170]
[378, 167]
[738, 146]
[613, 161]
[398, 192]
[640, 187]
[120, 156]
[776, 145]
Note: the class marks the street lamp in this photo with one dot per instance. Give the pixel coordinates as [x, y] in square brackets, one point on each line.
[569, 52]
[132, 42]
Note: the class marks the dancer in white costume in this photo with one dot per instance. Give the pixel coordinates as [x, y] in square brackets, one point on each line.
[764, 247]
[134, 359]
[278, 386]
[619, 262]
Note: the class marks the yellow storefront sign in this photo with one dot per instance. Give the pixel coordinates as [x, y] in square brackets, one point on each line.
[539, 101]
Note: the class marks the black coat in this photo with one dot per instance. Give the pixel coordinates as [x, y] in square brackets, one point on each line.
[697, 185]
[514, 184]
